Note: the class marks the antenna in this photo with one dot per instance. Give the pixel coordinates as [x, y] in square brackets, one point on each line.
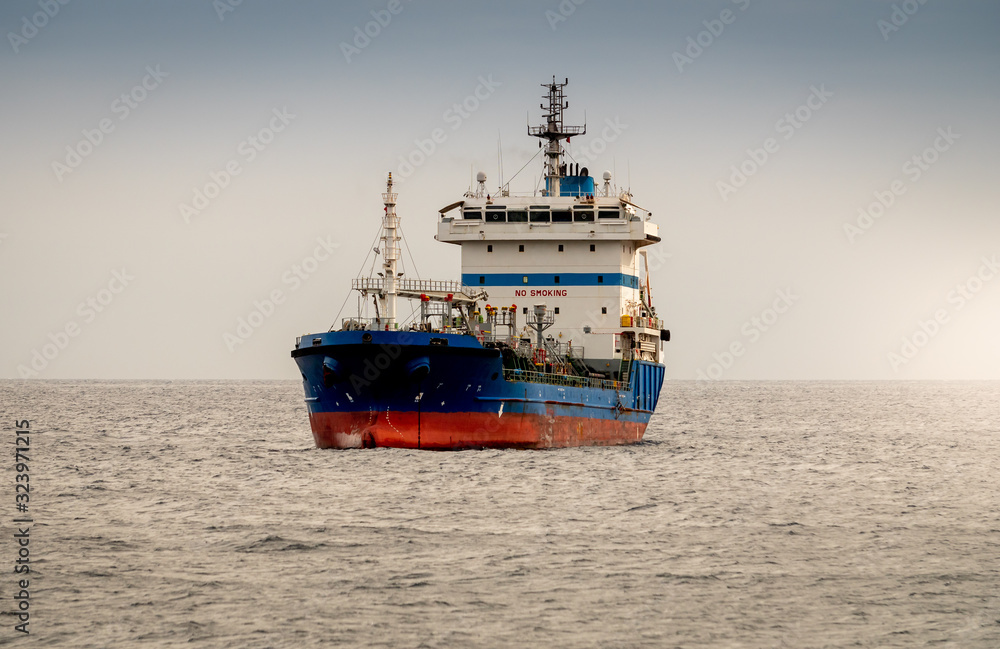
[553, 130]
[500, 159]
[390, 254]
[649, 294]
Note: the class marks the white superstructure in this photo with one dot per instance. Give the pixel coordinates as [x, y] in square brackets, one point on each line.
[573, 247]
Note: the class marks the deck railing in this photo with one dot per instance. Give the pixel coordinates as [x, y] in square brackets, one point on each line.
[414, 285]
[570, 380]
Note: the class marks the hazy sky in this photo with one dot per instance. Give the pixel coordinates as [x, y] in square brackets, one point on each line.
[762, 135]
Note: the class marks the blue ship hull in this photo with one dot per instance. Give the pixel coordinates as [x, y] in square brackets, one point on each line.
[447, 391]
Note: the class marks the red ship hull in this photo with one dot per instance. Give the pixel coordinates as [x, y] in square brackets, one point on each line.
[458, 430]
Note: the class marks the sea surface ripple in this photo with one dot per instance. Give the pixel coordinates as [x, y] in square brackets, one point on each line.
[754, 514]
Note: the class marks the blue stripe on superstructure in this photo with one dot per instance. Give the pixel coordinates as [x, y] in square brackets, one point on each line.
[549, 279]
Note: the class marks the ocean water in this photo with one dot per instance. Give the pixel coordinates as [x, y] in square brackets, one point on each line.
[777, 514]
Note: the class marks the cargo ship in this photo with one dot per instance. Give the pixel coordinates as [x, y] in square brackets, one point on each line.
[548, 340]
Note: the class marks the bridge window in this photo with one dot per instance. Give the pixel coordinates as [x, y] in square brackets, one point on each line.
[517, 217]
[561, 216]
[539, 216]
[608, 214]
[496, 214]
[473, 214]
[582, 215]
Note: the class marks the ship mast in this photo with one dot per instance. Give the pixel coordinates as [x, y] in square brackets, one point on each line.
[553, 130]
[390, 254]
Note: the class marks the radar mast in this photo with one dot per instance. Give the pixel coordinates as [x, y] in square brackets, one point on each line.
[553, 130]
[390, 255]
